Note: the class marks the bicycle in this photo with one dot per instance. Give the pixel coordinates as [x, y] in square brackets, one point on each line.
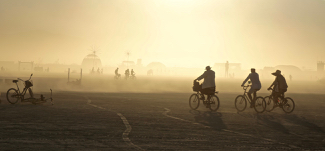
[14, 95]
[212, 101]
[240, 100]
[117, 76]
[286, 103]
[133, 77]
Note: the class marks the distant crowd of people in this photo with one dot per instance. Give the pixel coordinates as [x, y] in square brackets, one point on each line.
[126, 73]
[99, 71]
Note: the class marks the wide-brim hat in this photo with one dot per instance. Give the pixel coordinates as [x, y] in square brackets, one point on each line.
[277, 72]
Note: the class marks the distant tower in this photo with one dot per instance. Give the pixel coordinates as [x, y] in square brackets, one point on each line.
[139, 62]
[320, 66]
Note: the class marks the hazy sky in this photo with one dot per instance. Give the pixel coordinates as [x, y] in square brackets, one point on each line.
[187, 33]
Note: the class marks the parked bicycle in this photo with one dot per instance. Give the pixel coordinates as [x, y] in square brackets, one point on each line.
[212, 101]
[241, 102]
[286, 103]
[14, 95]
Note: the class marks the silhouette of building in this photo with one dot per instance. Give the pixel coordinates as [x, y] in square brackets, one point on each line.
[91, 61]
[156, 66]
[320, 66]
[288, 69]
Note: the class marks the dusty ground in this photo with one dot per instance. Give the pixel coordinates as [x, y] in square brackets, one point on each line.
[158, 121]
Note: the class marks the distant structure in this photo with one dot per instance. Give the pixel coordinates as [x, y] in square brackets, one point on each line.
[320, 66]
[31, 64]
[91, 61]
[139, 62]
[157, 67]
[226, 69]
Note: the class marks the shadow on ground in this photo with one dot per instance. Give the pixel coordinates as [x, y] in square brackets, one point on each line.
[212, 119]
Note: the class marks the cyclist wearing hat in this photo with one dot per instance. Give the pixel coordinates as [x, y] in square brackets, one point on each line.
[208, 85]
[280, 85]
[256, 85]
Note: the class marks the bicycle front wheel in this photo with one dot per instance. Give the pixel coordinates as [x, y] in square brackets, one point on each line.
[194, 101]
[12, 96]
[260, 105]
[214, 103]
[288, 105]
[240, 103]
[269, 103]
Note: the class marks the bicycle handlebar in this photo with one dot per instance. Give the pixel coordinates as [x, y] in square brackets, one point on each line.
[27, 80]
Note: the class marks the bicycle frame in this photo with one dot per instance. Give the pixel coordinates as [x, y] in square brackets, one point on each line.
[245, 93]
[23, 93]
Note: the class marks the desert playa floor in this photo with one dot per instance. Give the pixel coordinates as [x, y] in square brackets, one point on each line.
[158, 121]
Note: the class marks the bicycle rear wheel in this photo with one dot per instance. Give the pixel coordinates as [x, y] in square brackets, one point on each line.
[288, 105]
[240, 103]
[12, 96]
[269, 103]
[194, 101]
[214, 103]
[259, 105]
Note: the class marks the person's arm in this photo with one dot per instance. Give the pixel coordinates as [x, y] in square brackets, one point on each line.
[246, 80]
[274, 83]
[201, 77]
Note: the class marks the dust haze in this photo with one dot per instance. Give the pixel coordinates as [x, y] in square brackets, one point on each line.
[175, 39]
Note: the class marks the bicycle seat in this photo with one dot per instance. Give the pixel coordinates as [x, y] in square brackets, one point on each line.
[14, 81]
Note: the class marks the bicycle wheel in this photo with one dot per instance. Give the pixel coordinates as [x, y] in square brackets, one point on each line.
[214, 103]
[260, 105]
[240, 103]
[194, 101]
[269, 103]
[288, 105]
[12, 96]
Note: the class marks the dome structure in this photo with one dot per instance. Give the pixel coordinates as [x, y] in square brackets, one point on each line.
[288, 68]
[156, 65]
[91, 61]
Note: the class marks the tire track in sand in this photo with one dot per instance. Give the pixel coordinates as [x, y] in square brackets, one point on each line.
[225, 130]
[128, 129]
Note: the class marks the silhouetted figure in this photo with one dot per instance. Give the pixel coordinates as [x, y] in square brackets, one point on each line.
[226, 69]
[117, 75]
[290, 76]
[132, 73]
[256, 85]
[127, 73]
[93, 70]
[280, 86]
[208, 85]
[98, 71]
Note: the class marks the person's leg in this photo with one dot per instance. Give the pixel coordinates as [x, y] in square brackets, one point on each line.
[203, 91]
[254, 96]
[250, 97]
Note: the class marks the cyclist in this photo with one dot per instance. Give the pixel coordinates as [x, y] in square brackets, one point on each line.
[208, 85]
[116, 73]
[280, 86]
[127, 73]
[256, 85]
[132, 73]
